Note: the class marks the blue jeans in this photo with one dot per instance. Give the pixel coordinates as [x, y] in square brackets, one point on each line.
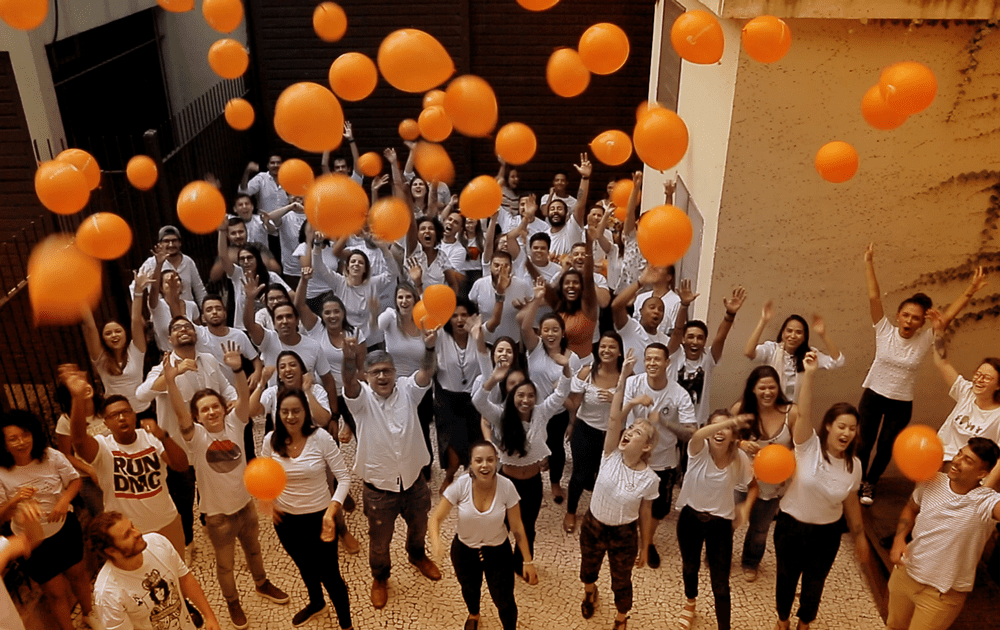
[761, 515]
[382, 508]
[223, 531]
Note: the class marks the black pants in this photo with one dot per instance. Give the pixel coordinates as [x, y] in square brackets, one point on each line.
[587, 446]
[530, 491]
[555, 439]
[497, 565]
[694, 530]
[892, 416]
[621, 544]
[806, 550]
[180, 486]
[316, 560]
[425, 413]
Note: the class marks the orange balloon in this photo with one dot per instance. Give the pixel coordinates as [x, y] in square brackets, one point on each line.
[85, 163]
[104, 235]
[471, 105]
[434, 97]
[223, 15]
[239, 114]
[370, 164]
[516, 143]
[434, 124]
[908, 87]
[295, 176]
[62, 281]
[329, 21]
[646, 106]
[176, 6]
[877, 112]
[264, 478]
[612, 147]
[61, 187]
[200, 207]
[697, 37]
[566, 74]
[537, 5]
[440, 302]
[433, 164]
[389, 219]
[141, 172]
[336, 205]
[413, 61]
[423, 319]
[353, 76]
[228, 58]
[766, 38]
[837, 162]
[480, 198]
[409, 130]
[664, 235]
[309, 117]
[660, 138]
[774, 464]
[24, 15]
[620, 195]
[604, 48]
[918, 452]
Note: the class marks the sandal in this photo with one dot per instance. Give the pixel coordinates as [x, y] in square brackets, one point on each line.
[687, 615]
[620, 624]
[569, 523]
[471, 624]
[587, 605]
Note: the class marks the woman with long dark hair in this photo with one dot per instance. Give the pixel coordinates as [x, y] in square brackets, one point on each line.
[250, 264]
[773, 418]
[519, 429]
[304, 513]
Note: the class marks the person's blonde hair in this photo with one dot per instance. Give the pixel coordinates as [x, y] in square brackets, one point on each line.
[653, 438]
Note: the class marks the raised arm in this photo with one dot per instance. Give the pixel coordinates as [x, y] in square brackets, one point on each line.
[688, 296]
[733, 303]
[616, 421]
[940, 355]
[428, 364]
[819, 327]
[481, 397]
[233, 359]
[619, 306]
[700, 437]
[81, 392]
[527, 317]
[584, 168]
[632, 214]
[183, 412]
[588, 299]
[350, 369]
[874, 294]
[92, 336]
[977, 283]
[766, 313]
[250, 290]
[137, 322]
[803, 429]
[306, 316]
[349, 136]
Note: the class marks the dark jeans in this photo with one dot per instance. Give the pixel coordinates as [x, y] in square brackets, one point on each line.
[497, 564]
[316, 560]
[180, 486]
[761, 515]
[425, 413]
[621, 543]
[661, 504]
[694, 530]
[555, 439]
[530, 491]
[382, 508]
[587, 446]
[806, 550]
[873, 408]
[457, 424]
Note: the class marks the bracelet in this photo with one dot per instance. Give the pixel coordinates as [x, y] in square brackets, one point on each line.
[500, 297]
[730, 317]
[429, 349]
[528, 564]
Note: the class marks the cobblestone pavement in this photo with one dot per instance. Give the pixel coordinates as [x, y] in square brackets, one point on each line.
[416, 603]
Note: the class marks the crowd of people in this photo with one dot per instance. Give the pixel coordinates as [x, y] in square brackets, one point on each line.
[562, 335]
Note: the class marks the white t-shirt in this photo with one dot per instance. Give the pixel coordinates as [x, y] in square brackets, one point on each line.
[9, 619]
[433, 272]
[161, 317]
[484, 295]
[817, 489]
[545, 372]
[407, 352]
[673, 403]
[269, 399]
[592, 411]
[133, 478]
[210, 343]
[219, 462]
[457, 367]
[148, 598]
[967, 420]
[307, 349]
[569, 199]
[49, 478]
[125, 383]
[894, 371]
[708, 488]
[671, 304]
[357, 299]
[306, 490]
[535, 429]
[482, 529]
[619, 490]
[456, 254]
[695, 377]
[570, 234]
[949, 534]
[636, 339]
[773, 354]
[95, 426]
[240, 295]
[288, 236]
[334, 355]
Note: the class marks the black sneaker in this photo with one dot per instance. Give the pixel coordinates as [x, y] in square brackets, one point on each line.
[195, 614]
[307, 614]
[867, 493]
[653, 557]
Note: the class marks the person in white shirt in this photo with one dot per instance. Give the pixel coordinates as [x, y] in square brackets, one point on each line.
[488, 505]
[499, 297]
[288, 222]
[566, 222]
[638, 332]
[951, 518]
[144, 581]
[255, 231]
[539, 264]
[659, 282]
[977, 402]
[11, 547]
[887, 401]
[623, 496]
[822, 489]
[213, 447]
[558, 192]
[264, 186]
[233, 236]
[215, 334]
[340, 164]
[390, 455]
[167, 254]
[426, 263]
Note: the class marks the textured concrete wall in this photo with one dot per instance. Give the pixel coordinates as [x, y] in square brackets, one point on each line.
[925, 194]
[888, 9]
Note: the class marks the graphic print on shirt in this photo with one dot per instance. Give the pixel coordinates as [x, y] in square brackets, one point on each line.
[137, 475]
[693, 382]
[223, 455]
[965, 423]
[165, 613]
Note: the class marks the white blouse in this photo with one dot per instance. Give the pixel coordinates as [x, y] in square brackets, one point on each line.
[535, 430]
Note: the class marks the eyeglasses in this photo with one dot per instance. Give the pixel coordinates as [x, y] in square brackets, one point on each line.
[114, 415]
[180, 327]
[244, 259]
[381, 371]
[982, 378]
[171, 240]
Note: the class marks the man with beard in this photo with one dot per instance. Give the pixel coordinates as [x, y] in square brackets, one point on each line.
[215, 335]
[169, 239]
[501, 294]
[144, 581]
[566, 229]
[213, 446]
[234, 233]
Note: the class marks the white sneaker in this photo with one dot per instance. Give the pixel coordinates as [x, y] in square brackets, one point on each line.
[92, 621]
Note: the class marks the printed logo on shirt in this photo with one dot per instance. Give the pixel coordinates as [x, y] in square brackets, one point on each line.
[165, 613]
[693, 382]
[223, 456]
[137, 475]
[965, 423]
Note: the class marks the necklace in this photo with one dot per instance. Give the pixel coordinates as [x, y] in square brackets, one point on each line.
[460, 351]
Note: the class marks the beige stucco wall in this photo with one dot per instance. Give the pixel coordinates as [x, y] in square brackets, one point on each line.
[922, 195]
